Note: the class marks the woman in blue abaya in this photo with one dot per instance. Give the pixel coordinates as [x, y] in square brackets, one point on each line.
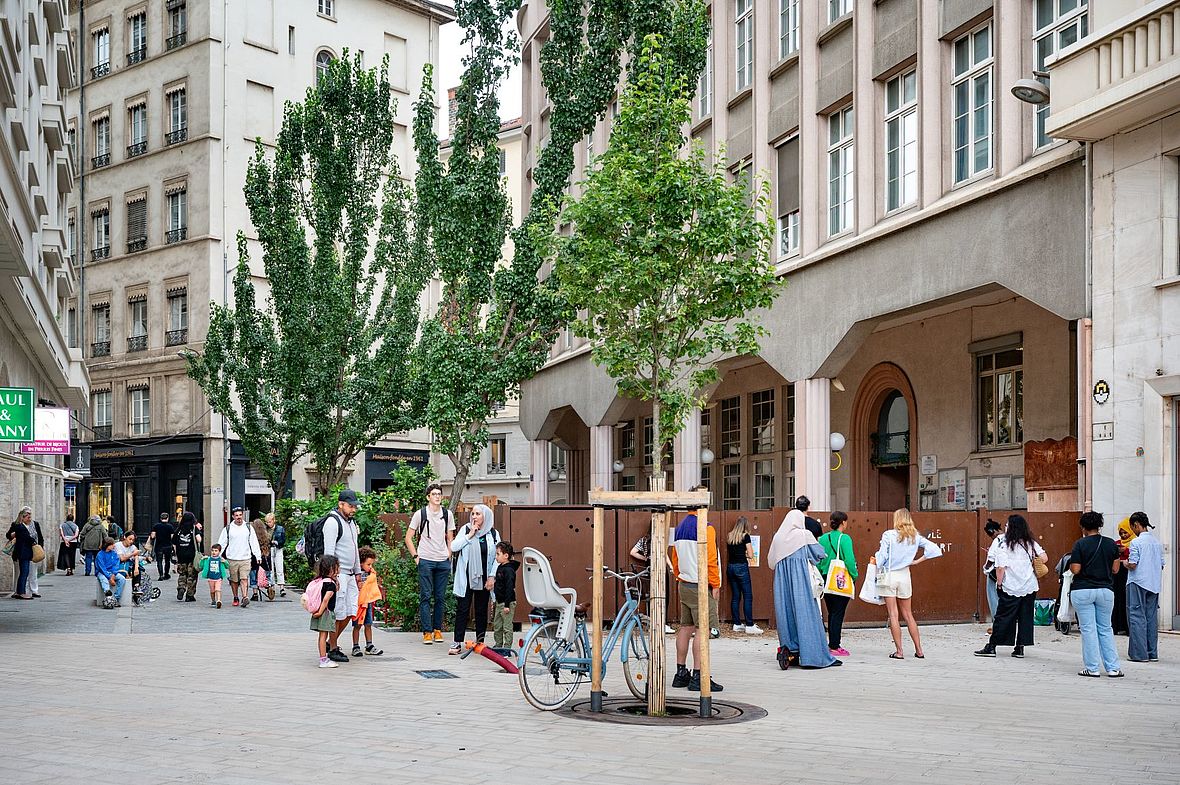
[800, 626]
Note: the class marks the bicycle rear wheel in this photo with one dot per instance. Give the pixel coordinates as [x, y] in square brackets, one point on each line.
[636, 666]
[547, 680]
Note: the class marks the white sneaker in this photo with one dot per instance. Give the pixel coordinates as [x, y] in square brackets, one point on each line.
[668, 630]
[739, 628]
[753, 629]
[328, 664]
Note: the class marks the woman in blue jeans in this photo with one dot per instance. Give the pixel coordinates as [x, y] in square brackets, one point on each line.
[23, 536]
[1094, 562]
[740, 551]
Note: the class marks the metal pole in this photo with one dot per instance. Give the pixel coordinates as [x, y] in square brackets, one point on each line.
[596, 622]
[704, 620]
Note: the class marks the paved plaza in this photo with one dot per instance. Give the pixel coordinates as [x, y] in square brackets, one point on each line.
[183, 693]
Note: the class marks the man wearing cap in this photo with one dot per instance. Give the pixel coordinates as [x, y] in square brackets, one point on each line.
[1146, 565]
[238, 543]
[160, 541]
[340, 540]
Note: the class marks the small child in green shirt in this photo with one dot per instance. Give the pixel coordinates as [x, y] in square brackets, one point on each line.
[213, 569]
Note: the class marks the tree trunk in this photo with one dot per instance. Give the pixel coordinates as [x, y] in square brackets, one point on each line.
[657, 691]
[462, 469]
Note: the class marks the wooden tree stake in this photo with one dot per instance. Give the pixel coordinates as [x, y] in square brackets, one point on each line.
[596, 619]
[704, 619]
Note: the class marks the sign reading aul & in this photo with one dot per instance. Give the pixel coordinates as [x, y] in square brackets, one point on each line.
[16, 414]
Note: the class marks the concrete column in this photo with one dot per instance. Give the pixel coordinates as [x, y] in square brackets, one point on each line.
[601, 457]
[813, 454]
[539, 467]
[686, 454]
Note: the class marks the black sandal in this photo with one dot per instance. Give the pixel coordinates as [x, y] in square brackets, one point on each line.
[896, 656]
[920, 656]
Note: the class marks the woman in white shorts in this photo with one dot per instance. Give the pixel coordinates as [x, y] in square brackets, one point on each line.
[899, 547]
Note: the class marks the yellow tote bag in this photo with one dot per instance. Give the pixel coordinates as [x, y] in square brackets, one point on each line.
[839, 581]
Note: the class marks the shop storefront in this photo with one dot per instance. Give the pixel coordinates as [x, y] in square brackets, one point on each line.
[381, 463]
[135, 483]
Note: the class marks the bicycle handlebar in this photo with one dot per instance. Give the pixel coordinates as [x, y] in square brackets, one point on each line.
[623, 576]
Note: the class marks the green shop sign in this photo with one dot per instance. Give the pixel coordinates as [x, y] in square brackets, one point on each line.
[16, 414]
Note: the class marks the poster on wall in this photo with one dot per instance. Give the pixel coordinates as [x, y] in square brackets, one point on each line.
[952, 489]
[756, 544]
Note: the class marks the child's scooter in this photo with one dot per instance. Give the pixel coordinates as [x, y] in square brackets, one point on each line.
[498, 656]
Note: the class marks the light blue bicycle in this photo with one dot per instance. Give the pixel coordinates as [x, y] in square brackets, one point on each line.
[555, 657]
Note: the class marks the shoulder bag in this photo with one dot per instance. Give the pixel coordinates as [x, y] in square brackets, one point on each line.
[839, 581]
[883, 575]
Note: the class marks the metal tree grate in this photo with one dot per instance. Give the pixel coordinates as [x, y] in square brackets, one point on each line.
[436, 674]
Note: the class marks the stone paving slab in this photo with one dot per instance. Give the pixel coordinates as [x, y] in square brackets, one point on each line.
[198, 695]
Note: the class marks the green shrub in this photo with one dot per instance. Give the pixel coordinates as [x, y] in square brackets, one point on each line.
[399, 576]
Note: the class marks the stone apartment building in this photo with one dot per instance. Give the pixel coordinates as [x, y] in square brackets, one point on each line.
[38, 277]
[172, 95]
[933, 237]
[1118, 93]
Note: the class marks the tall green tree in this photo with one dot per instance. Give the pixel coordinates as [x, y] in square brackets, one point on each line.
[322, 365]
[499, 316]
[668, 260]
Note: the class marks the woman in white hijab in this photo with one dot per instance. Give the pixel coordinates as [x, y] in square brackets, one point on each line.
[475, 573]
[800, 626]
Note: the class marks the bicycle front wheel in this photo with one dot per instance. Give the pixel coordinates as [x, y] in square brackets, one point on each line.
[547, 677]
[637, 661]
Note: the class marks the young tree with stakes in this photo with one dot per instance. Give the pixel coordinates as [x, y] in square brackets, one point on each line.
[668, 260]
[323, 366]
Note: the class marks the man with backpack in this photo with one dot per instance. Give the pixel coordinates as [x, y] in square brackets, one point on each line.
[187, 542]
[339, 538]
[432, 554]
[238, 544]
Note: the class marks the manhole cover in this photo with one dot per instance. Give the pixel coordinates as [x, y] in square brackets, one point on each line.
[629, 711]
[436, 674]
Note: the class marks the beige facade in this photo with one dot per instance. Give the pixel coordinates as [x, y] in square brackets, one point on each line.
[37, 274]
[174, 95]
[933, 240]
[1118, 93]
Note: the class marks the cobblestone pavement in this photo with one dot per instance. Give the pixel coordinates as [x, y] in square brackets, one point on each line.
[183, 693]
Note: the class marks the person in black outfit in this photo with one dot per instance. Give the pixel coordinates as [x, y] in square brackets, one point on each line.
[739, 550]
[1094, 561]
[802, 504]
[161, 539]
[27, 533]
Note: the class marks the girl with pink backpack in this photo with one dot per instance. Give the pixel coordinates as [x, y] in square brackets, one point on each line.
[319, 599]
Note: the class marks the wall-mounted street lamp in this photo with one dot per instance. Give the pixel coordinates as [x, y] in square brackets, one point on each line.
[1032, 91]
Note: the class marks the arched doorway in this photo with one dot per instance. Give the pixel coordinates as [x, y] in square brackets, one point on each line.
[884, 428]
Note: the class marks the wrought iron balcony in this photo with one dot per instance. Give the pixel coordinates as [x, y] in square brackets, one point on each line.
[176, 235]
[102, 69]
[137, 56]
[100, 349]
[99, 161]
[136, 244]
[890, 449]
[103, 252]
[176, 337]
[177, 136]
[136, 343]
[177, 40]
[102, 432]
[139, 148]
[497, 468]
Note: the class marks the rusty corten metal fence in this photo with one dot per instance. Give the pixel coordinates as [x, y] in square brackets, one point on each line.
[950, 589]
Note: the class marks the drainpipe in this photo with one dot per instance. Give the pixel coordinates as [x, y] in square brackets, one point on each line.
[1086, 352]
[81, 215]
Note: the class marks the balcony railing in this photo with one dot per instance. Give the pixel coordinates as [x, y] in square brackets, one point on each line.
[497, 468]
[177, 40]
[102, 69]
[100, 349]
[179, 135]
[136, 244]
[137, 56]
[139, 148]
[176, 235]
[102, 252]
[99, 161]
[136, 343]
[176, 337]
[102, 432]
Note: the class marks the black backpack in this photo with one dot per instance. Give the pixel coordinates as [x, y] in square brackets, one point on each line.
[313, 539]
[424, 522]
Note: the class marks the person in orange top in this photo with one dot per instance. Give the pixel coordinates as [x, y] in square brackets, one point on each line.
[686, 568]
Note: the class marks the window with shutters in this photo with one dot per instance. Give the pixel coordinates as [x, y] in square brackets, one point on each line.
[137, 125]
[177, 24]
[177, 318]
[137, 225]
[102, 141]
[137, 36]
[177, 216]
[787, 159]
[177, 116]
[102, 53]
[102, 234]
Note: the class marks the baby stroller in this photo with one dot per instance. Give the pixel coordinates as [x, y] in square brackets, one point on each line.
[1062, 569]
[146, 591]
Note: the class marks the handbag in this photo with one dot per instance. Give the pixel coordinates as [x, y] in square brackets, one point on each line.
[9, 547]
[839, 581]
[817, 581]
[38, 553]
[1040, 567]
[882, 576]
[868, 590]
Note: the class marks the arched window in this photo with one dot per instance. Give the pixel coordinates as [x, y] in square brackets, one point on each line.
[893, 431]
[323, 59]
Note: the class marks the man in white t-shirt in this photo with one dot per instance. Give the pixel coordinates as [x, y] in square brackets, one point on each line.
[432, 553]
[238, 544]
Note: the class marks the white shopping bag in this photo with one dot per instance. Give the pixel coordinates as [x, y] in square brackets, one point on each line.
[868, 590]
[1065, 612]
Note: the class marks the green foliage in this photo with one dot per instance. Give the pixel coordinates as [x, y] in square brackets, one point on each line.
[324, 362]
[399, 576]
[668, 260]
